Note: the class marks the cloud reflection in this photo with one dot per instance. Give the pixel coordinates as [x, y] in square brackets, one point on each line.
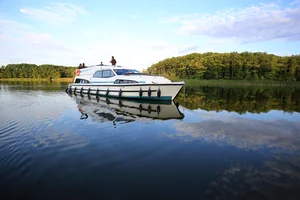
[242, 133]
[274, 173]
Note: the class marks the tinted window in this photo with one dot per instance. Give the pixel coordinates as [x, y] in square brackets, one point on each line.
[112, 73]
[81, 81]
[107, 73]
[125, 71]
[119, 81]
[98, 74]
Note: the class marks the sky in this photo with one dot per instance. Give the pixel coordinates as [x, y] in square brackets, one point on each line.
[140, 33]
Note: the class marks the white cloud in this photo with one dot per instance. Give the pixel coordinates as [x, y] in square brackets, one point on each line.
[37, 47]
[25, 44]
[130, 51]
[264, 22]
[55, 12]
[32, 47]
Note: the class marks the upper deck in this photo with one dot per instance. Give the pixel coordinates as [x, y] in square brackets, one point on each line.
[86, 74]
[118, 70]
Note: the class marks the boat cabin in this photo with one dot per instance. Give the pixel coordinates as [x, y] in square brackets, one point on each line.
[105, 75]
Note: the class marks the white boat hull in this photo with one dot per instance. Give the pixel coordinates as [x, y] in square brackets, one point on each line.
[162, 91]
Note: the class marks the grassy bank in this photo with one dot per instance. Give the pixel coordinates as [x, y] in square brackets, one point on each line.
[241, 83]
[38, 79]
[190, 82]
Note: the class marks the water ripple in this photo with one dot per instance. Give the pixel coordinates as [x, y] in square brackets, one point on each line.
[46, 150]
[15, 160]
[8, 129]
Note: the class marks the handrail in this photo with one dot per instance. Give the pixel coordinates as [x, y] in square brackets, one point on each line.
[103, 65]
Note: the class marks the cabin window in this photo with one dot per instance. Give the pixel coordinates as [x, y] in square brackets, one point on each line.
[98, 74]
[107, 74]
[119, 81]
[104, 74]
[78, 80]
[126, 71]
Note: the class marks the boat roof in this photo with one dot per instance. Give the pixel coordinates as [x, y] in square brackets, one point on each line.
[107, 67]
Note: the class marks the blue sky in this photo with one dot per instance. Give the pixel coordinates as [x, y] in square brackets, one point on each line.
[140, 33]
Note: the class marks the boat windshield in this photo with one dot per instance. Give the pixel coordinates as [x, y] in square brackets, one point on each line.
[126, 71]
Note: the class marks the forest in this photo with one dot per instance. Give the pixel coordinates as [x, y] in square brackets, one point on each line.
[250, 66]
[24, 70]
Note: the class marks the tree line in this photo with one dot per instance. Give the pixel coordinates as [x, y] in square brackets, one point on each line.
[25, 70]
[226, 66]
[230, 66]
[240, 99]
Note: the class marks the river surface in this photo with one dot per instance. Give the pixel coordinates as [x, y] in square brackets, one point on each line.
[210, 143]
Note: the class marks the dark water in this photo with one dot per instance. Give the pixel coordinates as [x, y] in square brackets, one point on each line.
[212, 143]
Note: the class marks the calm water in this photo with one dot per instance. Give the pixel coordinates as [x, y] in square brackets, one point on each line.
[212, 143]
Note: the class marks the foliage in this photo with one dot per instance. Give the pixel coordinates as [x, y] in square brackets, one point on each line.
[230, 66]
[24, 70]
[240, 99]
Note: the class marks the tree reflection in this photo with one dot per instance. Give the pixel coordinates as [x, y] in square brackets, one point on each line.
[240, 99]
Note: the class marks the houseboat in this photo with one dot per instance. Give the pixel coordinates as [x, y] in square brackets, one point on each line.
[122, 82]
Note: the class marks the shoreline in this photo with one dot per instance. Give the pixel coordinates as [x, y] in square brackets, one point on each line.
[188, 82]
[239, 83]
[38, 79]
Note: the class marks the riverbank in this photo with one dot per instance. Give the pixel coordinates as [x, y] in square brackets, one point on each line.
[38, 79]
[189, 82]
[240, 83]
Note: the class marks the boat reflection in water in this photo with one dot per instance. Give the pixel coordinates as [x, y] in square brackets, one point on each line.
[120, 110]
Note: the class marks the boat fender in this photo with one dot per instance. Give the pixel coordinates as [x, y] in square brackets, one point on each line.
[149, 92]
[141, 92]
[107, 101]
[81, 90]
[97, 92]
[89, 90]
[67, 90]
[158, 92]
[74, 90]
[158, 109]
[149, 109]
[120, 93]
[140, 108]
[107, 91]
